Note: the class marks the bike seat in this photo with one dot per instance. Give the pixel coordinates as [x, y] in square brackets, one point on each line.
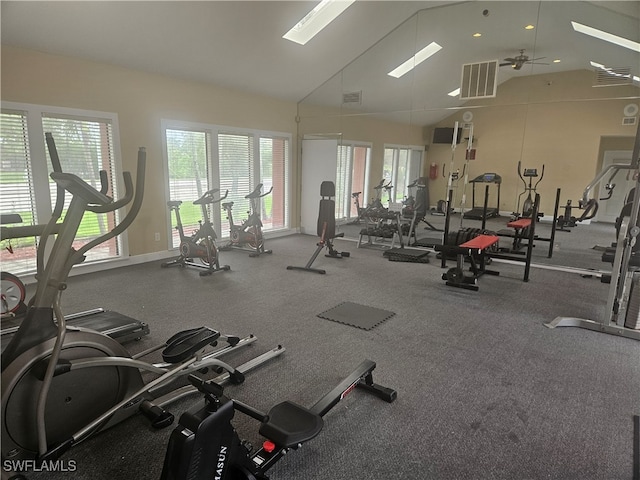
[174, 203]
[227, 205]
[185, 344]
[355, 194]
[289, 424]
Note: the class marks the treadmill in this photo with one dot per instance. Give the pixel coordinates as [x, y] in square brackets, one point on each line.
[477, 213]
[121, 328]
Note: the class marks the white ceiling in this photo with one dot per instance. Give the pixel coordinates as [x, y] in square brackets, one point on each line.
[239, 44]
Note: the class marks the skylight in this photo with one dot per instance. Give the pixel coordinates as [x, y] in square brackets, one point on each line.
[318, 18]
[607, 37]
[416, 60]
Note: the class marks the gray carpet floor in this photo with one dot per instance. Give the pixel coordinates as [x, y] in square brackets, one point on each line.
[485, 391]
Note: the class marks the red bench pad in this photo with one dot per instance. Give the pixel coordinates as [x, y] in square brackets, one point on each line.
[481, 242]
[520, 223]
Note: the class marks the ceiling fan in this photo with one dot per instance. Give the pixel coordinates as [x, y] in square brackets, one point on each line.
[518, 61]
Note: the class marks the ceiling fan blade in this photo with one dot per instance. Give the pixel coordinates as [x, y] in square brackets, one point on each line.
[508, 63]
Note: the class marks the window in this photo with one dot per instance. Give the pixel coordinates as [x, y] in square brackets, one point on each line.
[85, 142]
[236, 166]
[353, 161]
[402, 165]
[187, 154]
[274, 165]
[16, 188]
[202, 157]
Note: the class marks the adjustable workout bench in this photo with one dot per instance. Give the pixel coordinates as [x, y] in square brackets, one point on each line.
[326, 228]
[474, 250]
[520, 233]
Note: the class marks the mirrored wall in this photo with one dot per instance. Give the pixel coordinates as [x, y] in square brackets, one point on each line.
[566, 93]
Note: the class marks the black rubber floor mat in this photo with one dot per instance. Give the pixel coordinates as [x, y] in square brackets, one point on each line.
[356, 315]
[406, 255]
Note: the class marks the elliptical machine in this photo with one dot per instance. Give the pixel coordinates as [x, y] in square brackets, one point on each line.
[248, 232]
[61, 384]
[202, 243]
[529, 190]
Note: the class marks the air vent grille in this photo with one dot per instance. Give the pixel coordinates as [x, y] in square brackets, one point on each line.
[613, 76]
[479, 80]
[629, 120]
[352, 98]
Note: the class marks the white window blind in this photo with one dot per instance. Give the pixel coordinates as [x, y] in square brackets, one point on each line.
[402, 165]
[201, 157]
[236, 172]
[85, 147]
[85, 143]
[343, 180]
[187, 159]
[16, 179]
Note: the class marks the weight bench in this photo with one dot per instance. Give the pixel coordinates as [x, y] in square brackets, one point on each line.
[520, 232]
[475, 250]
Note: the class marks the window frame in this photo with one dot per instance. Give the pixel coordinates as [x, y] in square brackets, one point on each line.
[38, 156]
[344, 205]
[399, 196]
[213, 131]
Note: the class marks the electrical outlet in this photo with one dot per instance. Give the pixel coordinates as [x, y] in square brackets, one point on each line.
[157, 236]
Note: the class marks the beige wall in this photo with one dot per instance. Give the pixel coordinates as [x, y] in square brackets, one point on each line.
[361, 128]
[141, 101]
[534, 119]
[557, 120]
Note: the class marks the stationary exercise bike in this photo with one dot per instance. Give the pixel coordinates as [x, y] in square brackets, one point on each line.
[359, 210]
[248, 232]
[206, 446]
[202, 243]
[61, 384]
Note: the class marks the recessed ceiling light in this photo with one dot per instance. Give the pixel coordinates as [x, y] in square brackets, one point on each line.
[454, 93]
[607, 37]
[318, 18]
[477, 34]
[416, 60]
[529, 27]
[557, 60]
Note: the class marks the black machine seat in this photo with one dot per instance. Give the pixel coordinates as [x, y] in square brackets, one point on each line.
[174, 203]
[290, 424]
[185, 344]
[227, 205]
[327, 211]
